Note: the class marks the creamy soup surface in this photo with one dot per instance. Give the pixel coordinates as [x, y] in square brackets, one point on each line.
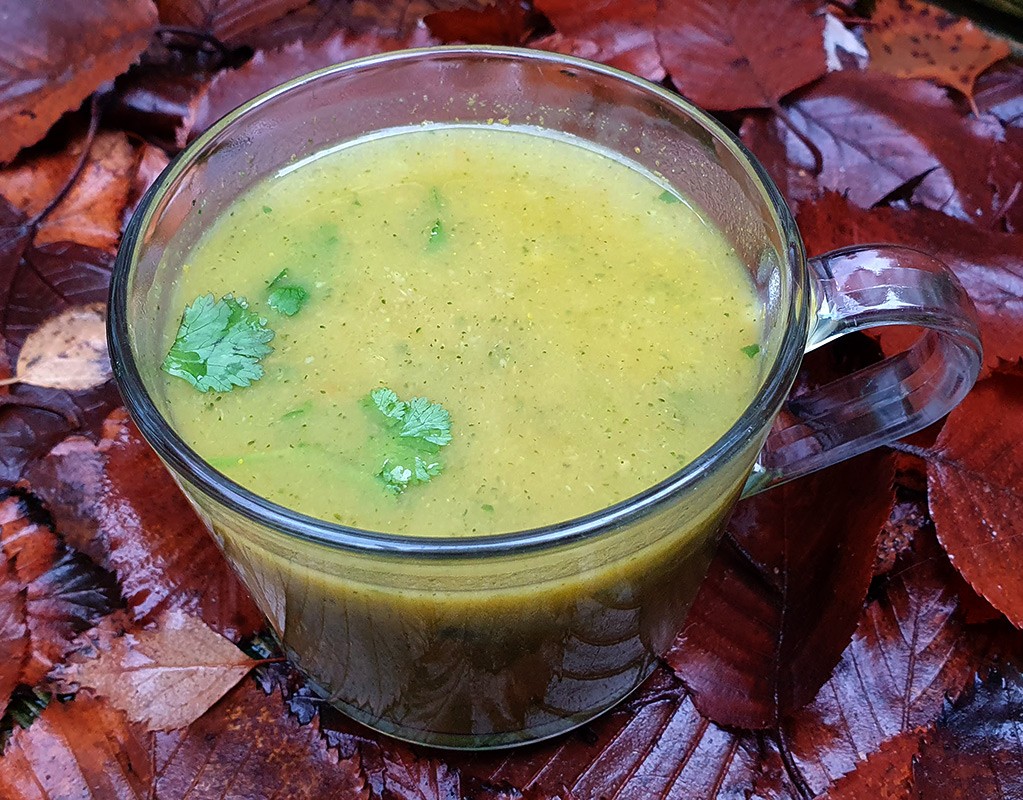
[586, 331]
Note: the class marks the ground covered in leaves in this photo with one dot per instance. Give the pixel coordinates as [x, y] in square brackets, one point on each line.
[858, 634]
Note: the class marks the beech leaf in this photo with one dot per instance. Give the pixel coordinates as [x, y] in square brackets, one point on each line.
[227, 20]
[977, 749]
[908, 654]
[57, 53]
[165, 677]
[783, 594]
[886, 774]
[13, 631]
[730, 54]
[913, 39]
[975, 484]
[68, 351]
[999, 91]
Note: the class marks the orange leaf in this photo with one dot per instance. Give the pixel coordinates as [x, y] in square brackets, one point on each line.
[913, 39]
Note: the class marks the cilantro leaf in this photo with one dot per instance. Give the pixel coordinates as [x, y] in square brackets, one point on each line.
[387, 403]
[751, 350]
[416, 425]
[284, 297]
[427, 421]
[397, 477]
[219, 344]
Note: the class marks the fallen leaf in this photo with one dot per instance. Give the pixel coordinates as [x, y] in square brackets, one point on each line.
[91, 212]
[656, 746]
[974, 484]
[842, 48]
[13, 631]
[407, 776]
[868, 153]
[908, 654]
[886, 774]
[738, 54]
[267, 69]
[976, 752]
[164, 677]
[248, 747]
[988, 263]
[999, 91]
[84, 750]
[68, 351]
[57, 53]
[1005, 176]
[159, 549]
[909, 518]
[783, 594]
[400, 18]
[506, 22]
[227, 20]
[913, 39]
[152, 162]
[616, 32]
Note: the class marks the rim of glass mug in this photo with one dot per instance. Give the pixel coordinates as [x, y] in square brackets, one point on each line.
[174, 451]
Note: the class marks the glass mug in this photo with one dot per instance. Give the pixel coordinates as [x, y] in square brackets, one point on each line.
[498, 640]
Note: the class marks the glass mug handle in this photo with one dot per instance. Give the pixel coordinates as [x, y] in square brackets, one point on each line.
[863, 287]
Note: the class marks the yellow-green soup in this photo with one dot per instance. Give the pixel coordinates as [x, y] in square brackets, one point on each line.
[586, 330]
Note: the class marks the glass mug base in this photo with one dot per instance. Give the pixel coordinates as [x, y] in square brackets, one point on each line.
[488, 641]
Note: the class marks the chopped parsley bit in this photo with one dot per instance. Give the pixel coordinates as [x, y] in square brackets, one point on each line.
[219, 344]
[417, 423]
[267, 210]
[751, 350]
[285, 298]
[668, 197]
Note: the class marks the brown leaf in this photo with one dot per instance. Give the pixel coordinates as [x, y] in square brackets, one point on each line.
[56, 54]
[976, 753]
[152, 162]
[975, 480]
[999, 91]
[616, 32]
[248, 747]
[13, 630]
[165, 677]
[868, 152]
[407, 776]
[159, 549]
[908, 653]
[68, 351]
[912, 39]
[400, 18]
[506, 22]
[738, 54]
[267, 69]
[909, 517]
[989, 264]
[886, 774]
[783, 594]
[84, 750]
[656, 746]
[91, 212]
[227, 20]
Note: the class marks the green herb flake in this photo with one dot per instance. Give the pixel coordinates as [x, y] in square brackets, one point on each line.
[284, 297]
[267, 210]
[397, 477]
[416, 424]
[669, 197]
[751, 350]
[219, 344]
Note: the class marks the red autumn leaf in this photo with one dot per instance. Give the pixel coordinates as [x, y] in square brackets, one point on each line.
[400, 18]
[506, 22]
[248, 747]
[616, 32]
[908, 518]
[13, 630]
[975, 480]
[989, 264]
[84, 749]
[740, 53]
[91, 212]
[406, 776]
[151, 162]
[267, 69]
[976, 752]
[868, 152]
[56, 54]
[1005, 176]
[912, 39]
[783, 594]
[886, 774]
[908, 654]
[227, 20]
[768, 140]
[657, 746]
[999, 91]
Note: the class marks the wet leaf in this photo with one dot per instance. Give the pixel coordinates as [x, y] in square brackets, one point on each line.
[740, 53]
[84, 750]
[506, 22]
[13, 631]
[91, 212]
[164, 677]
[783, 594]
[886, 774]
[913, 39]
[869, 153]
[407, 776]
[400, 18]
[68, 351]
[58, 53]
[976, 752]
[975, 481]
[999, 91]
[227, 20]
[267, 69]
[909, 652]
[616, 32]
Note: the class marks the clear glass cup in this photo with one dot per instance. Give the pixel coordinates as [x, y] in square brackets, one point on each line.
[493, 641]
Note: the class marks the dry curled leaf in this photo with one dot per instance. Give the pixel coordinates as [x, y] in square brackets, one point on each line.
[164, 677]
[913, 39]
[68, 351]
[55, 54]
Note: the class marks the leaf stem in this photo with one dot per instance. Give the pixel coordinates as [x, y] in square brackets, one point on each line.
[911, 449]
